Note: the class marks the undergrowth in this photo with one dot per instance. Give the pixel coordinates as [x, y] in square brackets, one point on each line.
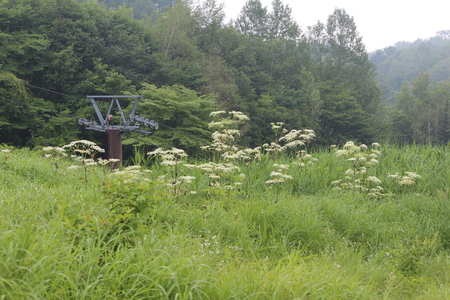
[218, 230]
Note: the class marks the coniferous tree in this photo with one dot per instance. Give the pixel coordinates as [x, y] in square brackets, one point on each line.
[341, 62]
[253, 19]
[423, 109]
[441, 96]
[402, 116]
[281, 23]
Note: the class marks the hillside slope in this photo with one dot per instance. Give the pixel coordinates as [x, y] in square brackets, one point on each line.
[406, 60]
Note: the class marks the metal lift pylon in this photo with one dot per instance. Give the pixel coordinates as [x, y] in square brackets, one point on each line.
[132, 123]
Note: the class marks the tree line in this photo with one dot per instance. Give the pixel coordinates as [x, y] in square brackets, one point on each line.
[415, 81]
[187, 61]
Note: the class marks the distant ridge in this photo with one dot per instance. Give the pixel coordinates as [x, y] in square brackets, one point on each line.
[406, 60]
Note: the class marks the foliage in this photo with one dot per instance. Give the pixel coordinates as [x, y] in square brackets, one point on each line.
[101, 81]
[130, 198]
[15, 112]
[182, 114]
[342, 117]
[261, 64]
[177, 58]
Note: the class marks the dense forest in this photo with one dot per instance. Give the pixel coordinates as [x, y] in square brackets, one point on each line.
[187, 61]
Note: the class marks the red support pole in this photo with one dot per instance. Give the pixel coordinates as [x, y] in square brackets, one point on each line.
[115, 146]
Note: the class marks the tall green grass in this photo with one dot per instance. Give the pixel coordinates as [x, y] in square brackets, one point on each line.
[59, 239]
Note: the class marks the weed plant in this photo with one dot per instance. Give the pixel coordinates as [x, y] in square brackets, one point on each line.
[76, 233]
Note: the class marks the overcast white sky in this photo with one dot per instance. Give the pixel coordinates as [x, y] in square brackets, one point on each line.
[381, 23]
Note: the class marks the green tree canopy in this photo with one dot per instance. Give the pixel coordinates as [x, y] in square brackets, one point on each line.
[182, 113]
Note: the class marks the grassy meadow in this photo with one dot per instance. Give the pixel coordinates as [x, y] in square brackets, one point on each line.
[323, 225]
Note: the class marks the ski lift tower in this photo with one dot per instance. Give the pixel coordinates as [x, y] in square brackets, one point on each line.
[131, 123]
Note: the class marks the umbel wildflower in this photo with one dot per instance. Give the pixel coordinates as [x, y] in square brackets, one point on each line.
[408, 179]
[54, 154]
[349, 148]
[226, 118]
[373, 179]
[361, 159]
[297, 138]
[221, 176]
[217, 171]
[292, 140]
[239, 115]
[186, 179]
[85, 152]
[226, 128]
[271, 148]
[127, 175]
[73, 167]
[50, 149]
[84, 147]
[172, 159]
[277, 177]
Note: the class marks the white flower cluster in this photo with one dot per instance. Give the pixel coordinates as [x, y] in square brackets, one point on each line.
[357, 176]
[239, 115]
[278, 125]
[212, 168]
[348, 148]
[221, 124]
[51, 149]
[245, 155]
[297, 138]
[361, 158]
[217, 113]
[219, 172]
[226, 117]
[225, 137]
[84, 147]
[91, 162]
[104, 162]
[226, 130]
[128, 175]
[186, 179]
[171, 157]
[273, 147]
[54, 152]
[408, 179]
[277, 176]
